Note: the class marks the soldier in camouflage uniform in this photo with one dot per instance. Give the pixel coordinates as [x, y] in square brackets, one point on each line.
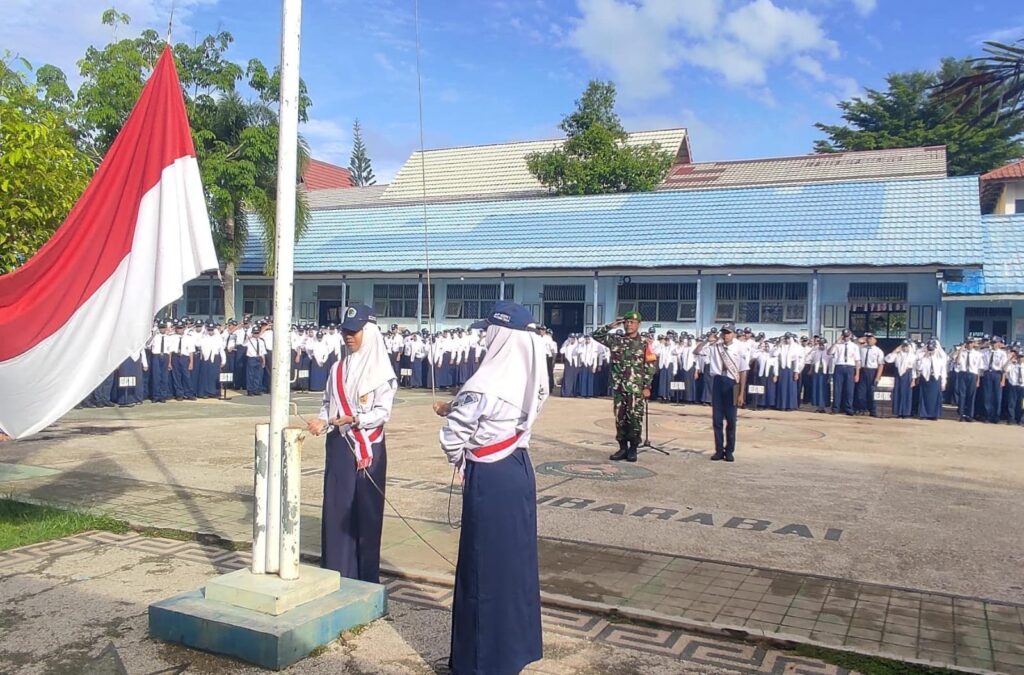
[632, 372]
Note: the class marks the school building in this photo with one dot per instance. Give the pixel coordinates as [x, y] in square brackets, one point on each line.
[881, 241]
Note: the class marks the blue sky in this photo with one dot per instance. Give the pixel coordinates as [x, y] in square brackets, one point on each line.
[748, 77]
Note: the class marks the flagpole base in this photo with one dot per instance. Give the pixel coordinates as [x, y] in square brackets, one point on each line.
[275, 641]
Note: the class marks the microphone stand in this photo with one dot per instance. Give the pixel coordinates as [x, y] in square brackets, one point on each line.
[647, 431]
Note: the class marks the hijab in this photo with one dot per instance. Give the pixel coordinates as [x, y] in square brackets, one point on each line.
[514, 369]
[370, 367]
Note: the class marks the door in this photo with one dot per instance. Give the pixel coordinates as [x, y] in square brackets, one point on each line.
[833, 321]
[330, 312]
[563, 318]
[980, 321]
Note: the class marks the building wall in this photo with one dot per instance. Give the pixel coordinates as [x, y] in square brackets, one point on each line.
[833, 289]
[956, 313]
[1007, 200]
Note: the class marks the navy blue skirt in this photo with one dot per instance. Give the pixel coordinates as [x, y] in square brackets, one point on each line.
[352, 519]
[496, 626]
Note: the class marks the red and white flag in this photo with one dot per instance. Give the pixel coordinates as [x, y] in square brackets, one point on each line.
[86, 301]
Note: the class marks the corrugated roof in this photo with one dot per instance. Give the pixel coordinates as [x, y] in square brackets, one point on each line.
[885, 223]
[324, 176]
[1002, 270]
[1013, 171]
[497, 169]
[925, 162]
[344, 197]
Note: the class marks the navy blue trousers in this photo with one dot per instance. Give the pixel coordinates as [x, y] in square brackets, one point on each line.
[842, 396]
[241, 368]
[1014, 397]
[253, 376]
[966, 389]
[209, 377]
[317, 376]
[865, 395]
[992, 383]
[353, 511]
[723, 413]
[496, 626]
[129, 395]
[901, 395]
[181, 377]
[819, 390]
[159, 388]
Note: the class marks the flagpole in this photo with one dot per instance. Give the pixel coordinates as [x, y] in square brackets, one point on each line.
[287, 159]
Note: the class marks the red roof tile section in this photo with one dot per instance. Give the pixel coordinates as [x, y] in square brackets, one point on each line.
[1013, 171]
[323, 176]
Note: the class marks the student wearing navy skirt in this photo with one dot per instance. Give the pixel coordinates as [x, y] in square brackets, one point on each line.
[496, 624]
[357, 403]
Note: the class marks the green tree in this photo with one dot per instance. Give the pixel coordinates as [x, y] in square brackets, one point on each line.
[906, 115]
[235, 135]
[994, 86]
[359, 163]
[595, 157]
[42, 172]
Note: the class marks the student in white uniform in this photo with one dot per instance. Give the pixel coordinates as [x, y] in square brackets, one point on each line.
[967, 364]
[904, 358]
[728, 370]
[1014, 392]
[496, 621]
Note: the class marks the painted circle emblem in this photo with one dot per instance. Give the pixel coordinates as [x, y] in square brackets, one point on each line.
[594, 470]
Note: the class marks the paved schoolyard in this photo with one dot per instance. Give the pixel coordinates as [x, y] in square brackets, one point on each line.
[893, 536]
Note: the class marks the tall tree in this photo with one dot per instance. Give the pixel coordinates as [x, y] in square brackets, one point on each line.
[994, 86]
[42, 172]
[595, 157]
[906, 115]
[235, 136]
[359, 163]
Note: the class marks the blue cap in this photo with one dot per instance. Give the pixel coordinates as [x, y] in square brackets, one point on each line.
[508, 315]
[356, 317]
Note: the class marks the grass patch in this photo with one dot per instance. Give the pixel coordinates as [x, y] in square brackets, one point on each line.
[23, 524]
[869, 665]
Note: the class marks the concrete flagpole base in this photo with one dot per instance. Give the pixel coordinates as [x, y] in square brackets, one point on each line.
[265, 620]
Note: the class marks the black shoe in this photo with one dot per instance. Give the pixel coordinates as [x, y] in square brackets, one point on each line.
[631, 451]
[729, 457]
[718, 456]
[621, 454]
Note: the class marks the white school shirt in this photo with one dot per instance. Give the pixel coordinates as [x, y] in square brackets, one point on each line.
[931, 366]
[790, 356]
[255, 347]
[819, 360]
[210, 347]
[1015, 374]
[713, 353]
[970, 361]
[845, 354]
[904, 361]
[871, 357]
[568, 352]
[549, 344]
[268, 340]
[996, 359]
[477, 421]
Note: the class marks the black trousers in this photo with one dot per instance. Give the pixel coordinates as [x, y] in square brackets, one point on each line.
[551, 373]
[723, 413]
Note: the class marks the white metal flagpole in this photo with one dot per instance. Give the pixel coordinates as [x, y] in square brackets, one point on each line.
[287, 160]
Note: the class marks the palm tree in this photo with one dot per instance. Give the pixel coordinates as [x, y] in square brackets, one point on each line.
[995, 86]
[237, 148]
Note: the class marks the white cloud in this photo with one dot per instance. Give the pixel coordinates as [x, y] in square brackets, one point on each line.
[329, 139]
[59, 31]
[641, 43]
[865, 7]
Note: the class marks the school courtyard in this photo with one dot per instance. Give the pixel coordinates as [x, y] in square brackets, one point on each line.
[882, 536]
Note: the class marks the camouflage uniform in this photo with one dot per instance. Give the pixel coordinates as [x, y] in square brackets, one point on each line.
[631, 374]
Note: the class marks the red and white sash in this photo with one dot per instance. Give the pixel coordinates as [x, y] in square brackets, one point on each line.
[488, 452]
[360, 440]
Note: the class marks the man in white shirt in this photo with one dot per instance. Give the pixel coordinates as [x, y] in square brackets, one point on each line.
[872, 361]
[728, 368]
[967, 364]
[1014, 373]
[846, 360]
[995, 361]
[552, 348]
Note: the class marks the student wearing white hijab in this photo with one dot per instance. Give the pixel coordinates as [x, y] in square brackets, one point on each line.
[496, 624]
[357, 403]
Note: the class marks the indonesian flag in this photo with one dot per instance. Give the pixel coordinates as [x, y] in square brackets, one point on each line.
[86, 301]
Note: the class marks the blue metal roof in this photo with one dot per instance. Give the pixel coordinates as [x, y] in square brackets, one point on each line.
[1003, 266]
[877, 223]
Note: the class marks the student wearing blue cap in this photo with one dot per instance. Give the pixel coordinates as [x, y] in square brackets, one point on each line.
[357, 403]
[496, 624]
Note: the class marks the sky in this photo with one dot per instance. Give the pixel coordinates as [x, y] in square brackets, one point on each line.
[748, 78]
